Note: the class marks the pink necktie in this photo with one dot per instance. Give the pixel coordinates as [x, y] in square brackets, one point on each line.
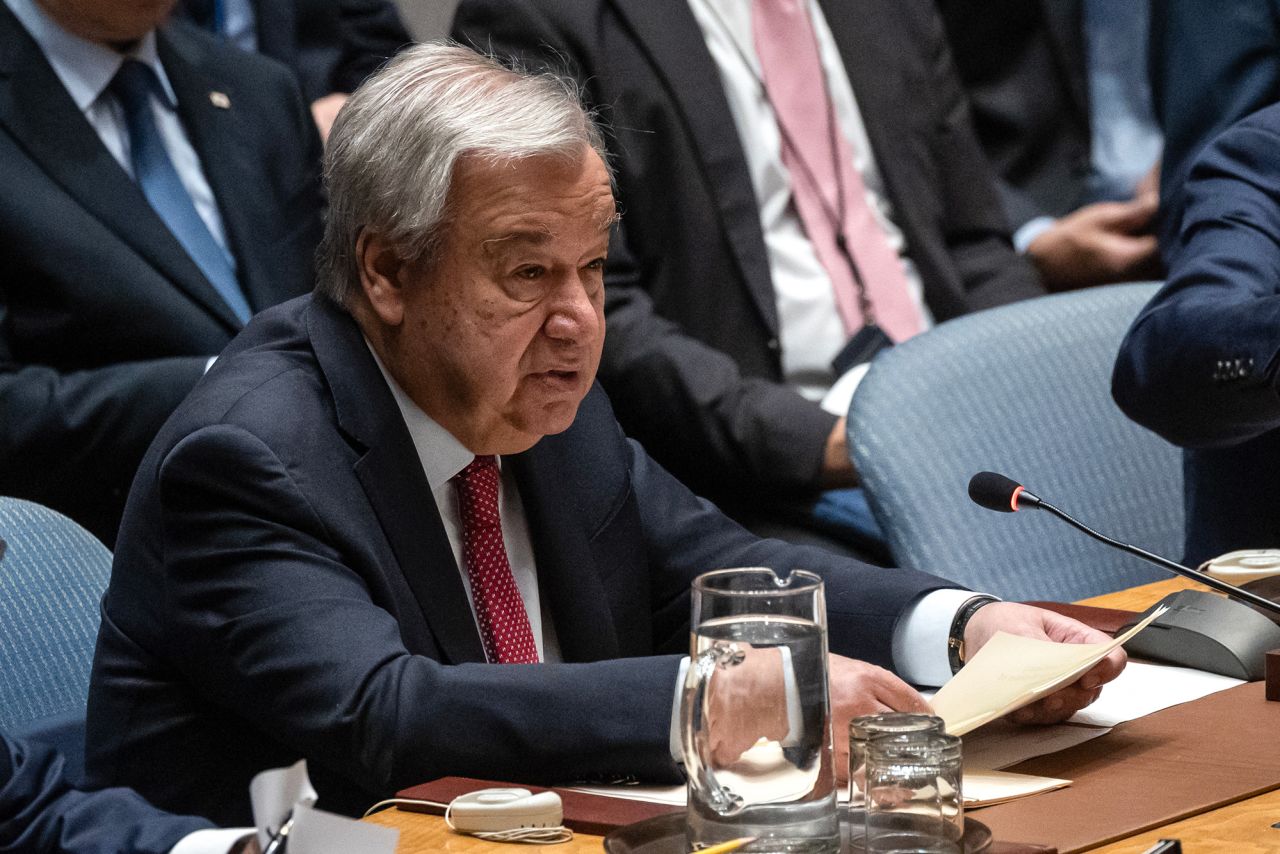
[796, 88]
[504, 624]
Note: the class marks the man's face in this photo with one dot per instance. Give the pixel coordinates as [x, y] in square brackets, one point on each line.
[113, 22]
[501, 337]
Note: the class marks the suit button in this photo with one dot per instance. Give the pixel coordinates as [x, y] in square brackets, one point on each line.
[773, 345]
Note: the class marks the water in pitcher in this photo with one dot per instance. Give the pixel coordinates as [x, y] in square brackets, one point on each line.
[765, 725]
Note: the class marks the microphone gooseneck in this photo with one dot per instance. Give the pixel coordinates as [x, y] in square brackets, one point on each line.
[1002, 494]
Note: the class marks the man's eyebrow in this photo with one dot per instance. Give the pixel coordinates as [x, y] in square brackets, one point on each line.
[536, 236]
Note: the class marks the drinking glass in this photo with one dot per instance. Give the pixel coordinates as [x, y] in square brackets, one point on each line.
[755, 714]
[914, 794]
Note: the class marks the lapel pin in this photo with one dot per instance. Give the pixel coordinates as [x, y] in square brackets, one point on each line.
[220, 100]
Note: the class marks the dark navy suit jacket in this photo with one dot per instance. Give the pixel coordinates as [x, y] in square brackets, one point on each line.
[283, 587]
[1201, 364]
[105, 322]
[39, 811]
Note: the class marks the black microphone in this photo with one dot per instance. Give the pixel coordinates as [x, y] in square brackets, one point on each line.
[1198, 629]
[997, 492]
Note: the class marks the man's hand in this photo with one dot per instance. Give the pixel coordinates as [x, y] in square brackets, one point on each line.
[1099, 244]
[325, 110]
[837, 465]
[746, 702]
[1031, 622]
[858, 688]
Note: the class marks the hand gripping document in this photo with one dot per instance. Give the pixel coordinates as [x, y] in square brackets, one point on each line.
[1011, 671]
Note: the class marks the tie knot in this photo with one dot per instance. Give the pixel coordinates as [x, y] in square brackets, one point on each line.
[482, 467]
[133, 85]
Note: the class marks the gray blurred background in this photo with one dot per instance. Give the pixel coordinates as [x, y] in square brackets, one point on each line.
[427, 19]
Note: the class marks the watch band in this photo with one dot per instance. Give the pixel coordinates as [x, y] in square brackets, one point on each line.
[955, 639]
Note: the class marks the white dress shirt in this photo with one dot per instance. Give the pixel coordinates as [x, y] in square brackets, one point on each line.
[810, 329]
[86, 69]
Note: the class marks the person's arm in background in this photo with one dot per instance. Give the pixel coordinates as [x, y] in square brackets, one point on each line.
[371, 33]
[1199, 366]
[72, 440]
[40, 811]
[1210, 66]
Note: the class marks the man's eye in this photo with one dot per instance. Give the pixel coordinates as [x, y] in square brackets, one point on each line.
[530, 273]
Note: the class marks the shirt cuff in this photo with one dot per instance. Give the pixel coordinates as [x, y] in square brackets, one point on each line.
[920, 637]
[212, 841]
[677, 749]
[1030, 230]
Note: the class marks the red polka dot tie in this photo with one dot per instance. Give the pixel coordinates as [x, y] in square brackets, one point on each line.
[504, 624]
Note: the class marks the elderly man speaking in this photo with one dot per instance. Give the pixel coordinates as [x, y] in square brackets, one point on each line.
[396, 529]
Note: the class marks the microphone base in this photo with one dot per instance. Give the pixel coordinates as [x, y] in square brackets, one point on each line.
[1208, 632]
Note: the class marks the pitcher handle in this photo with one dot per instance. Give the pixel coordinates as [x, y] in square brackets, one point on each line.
[693, 735]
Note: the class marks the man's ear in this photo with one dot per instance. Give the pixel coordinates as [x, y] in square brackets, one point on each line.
[383, 276]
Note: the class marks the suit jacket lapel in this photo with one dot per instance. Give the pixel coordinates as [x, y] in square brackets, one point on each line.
[861, 43]
[1064, 23]
[393, 480]
[228, 160]
[567, 574]
[669, 33]
[37, 110]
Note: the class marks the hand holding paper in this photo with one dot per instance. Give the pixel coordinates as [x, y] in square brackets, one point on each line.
[1028, 659]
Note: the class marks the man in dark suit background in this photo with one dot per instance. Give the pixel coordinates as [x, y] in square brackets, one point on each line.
[1199, 364]
[397, 531]
[330, 45]
[722, 324]
[109, 310]
[1062, 106]
[40, 812]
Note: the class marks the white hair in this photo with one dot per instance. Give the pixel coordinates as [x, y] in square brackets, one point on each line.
[390, 157]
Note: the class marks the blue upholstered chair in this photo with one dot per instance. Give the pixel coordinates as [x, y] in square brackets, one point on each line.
[52, 576]
[1024, 390]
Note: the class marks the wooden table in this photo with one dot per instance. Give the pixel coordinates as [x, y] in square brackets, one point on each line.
[1240, 828]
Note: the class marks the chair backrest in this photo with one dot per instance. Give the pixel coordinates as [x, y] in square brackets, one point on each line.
[52, 577]
[1024, 390]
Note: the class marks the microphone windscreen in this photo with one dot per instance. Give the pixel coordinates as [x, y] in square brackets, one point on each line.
[993, 491]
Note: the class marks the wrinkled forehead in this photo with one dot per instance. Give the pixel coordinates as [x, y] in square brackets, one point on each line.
[533, 200]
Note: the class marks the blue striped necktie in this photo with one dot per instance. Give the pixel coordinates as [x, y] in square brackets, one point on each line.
[153, 170]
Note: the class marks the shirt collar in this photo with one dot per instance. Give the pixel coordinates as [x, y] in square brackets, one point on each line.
[441, 454]
[84, 67]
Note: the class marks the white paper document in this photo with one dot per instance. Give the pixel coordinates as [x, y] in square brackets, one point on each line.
[1146, 688]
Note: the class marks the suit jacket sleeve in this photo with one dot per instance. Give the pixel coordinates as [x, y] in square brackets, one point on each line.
[731, 427]
[1207, 71]
[72, 440]
[1199, 366]
[39, 811]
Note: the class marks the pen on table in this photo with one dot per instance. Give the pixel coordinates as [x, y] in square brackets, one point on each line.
[1165, 846]
[726, 847]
